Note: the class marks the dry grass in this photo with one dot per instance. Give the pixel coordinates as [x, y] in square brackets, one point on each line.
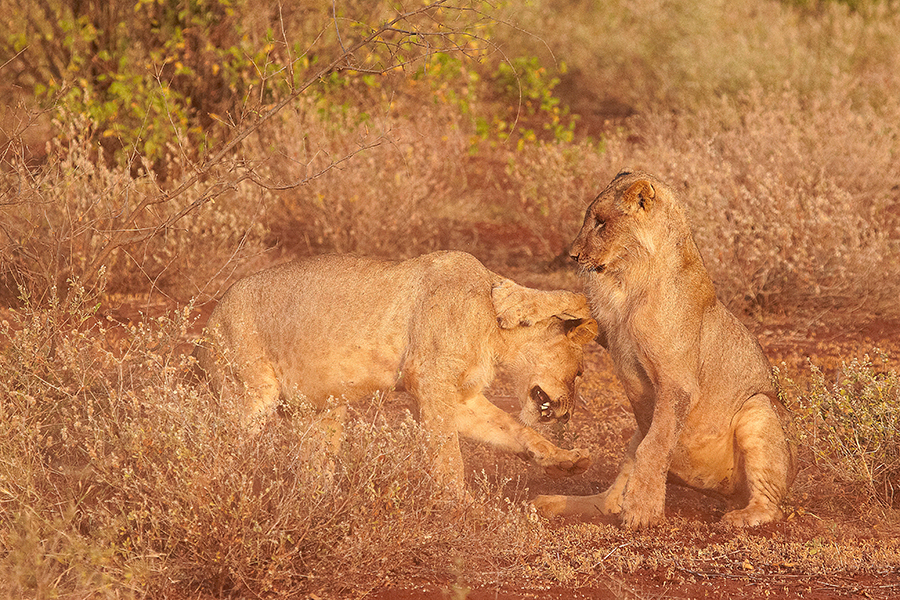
[121, 476]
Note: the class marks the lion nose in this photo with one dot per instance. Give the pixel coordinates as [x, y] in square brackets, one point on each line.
[576, 248]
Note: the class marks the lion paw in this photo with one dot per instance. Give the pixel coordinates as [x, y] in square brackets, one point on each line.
[577, 463]
[753, 516]
[549, 506]
[641, 519]
[640, 511]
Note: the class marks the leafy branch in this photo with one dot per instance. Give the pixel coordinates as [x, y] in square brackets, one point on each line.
[405, 38]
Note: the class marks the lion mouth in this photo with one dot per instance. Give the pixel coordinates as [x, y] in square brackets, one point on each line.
[587, 267]
[547, 406]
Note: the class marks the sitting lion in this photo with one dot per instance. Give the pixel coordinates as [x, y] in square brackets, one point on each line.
[700, 387]
[437, 325]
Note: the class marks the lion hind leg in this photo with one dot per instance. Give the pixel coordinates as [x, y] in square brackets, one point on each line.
[767, 461]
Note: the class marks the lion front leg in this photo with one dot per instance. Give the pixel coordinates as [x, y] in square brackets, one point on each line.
[448, 465]
[261, 390]
[644, 496]
[644, 499]
[479, 419]
[606, 503]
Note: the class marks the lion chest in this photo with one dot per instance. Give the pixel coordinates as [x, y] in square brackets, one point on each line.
[629, 362]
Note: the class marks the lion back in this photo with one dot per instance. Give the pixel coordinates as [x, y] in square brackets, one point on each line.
[346, 326]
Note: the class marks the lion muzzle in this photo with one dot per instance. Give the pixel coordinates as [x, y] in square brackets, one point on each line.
[586, 264]
[547, 406]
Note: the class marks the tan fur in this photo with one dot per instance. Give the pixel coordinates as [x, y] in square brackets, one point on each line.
[697, 380]
[437, 325]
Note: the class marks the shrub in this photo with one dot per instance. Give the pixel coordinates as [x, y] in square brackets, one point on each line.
[138, 71]
[59, 218]
[854, 428]
[783, 216]
[128, 212]
[683, 55]
[383, 202]
[526, 91]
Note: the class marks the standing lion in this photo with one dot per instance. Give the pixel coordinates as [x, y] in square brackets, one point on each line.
[437, 326]
[700, 387]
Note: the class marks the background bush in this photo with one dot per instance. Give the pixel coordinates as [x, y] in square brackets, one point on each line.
[852, 428]
[778, 123]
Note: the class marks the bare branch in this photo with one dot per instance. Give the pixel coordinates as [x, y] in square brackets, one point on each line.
[333, 164]
[121, 236]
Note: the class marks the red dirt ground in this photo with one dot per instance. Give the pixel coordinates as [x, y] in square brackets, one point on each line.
[818, 515]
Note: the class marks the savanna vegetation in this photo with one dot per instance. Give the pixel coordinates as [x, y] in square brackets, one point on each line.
[151, 151]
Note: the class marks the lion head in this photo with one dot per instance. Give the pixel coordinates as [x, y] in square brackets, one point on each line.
[545, 333]
[626, 223]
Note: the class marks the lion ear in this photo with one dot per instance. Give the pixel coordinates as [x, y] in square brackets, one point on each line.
[519, 306]
[511, 304]
[639, 196]
[581, 331]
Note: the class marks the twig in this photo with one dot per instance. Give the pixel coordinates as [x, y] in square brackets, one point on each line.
[336, 28]
[333, 164]
[610, 553]
[14, 57]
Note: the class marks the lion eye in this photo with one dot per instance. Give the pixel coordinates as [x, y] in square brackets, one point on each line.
[599, 223]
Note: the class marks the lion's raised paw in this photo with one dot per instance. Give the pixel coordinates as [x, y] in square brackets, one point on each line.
[576, 465]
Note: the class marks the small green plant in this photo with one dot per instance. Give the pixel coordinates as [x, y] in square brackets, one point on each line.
[526, 87]
[451, 80]
[525, 78]
[856, 428]
[143, 72]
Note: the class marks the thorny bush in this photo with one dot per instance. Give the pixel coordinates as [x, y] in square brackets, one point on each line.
[854, 428]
